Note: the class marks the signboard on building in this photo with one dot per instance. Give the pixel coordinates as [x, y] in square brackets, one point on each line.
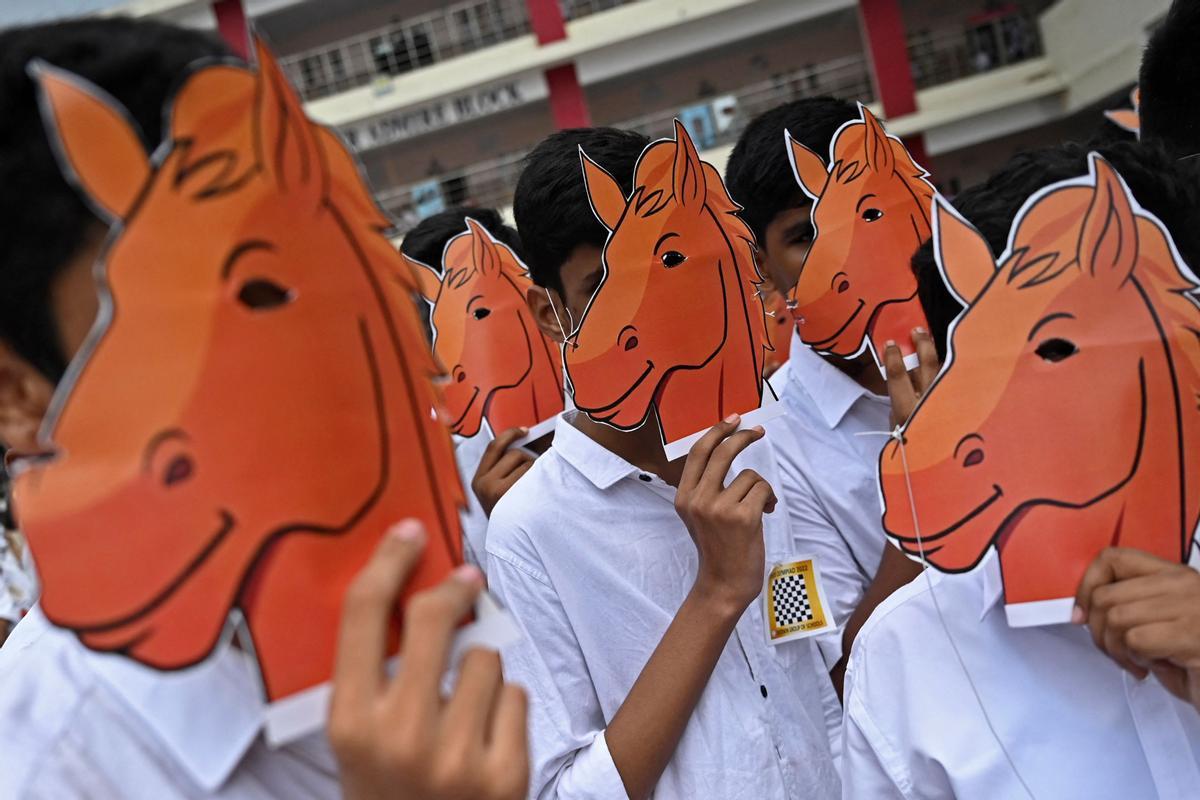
[407, 123]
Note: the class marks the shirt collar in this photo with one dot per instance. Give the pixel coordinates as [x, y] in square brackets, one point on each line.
[990, 581]
[207, 716]
[595, 462]
[832, 391]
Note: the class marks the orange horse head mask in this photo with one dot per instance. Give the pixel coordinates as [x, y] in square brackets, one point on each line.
[677, 322]
[501, 367]
[253, 408]
[1065, 419]
[870, 213]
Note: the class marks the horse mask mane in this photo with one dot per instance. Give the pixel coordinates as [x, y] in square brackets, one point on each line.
[256, 403]
[677, 325]
[1065, 419]
[870, 213]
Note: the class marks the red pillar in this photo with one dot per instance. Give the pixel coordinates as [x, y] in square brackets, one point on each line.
[887, 45]
[568, 103]
[231, 23]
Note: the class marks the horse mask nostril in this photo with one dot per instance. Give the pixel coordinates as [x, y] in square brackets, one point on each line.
[843, 286]
[178, 470]
[631, 343]
[974, 457]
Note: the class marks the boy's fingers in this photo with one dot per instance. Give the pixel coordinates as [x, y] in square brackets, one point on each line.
[927, 359]
[515, 476]
[469, 711]
[698, 456]
[508, 745]
[511, 460]
[1114, 564]
[762, 497]
[740, 486]
[722, 458]
[1154, 641]
[430, 619]
[899, 384]
[497, 448]
[367, 609]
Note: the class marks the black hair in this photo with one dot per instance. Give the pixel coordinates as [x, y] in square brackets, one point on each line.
[427, 240]
[1170, 103]
[1167, 188]
[759, 175]
[139, 62]
[551, 204]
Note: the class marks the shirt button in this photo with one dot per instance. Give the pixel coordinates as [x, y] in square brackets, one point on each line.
[762, 687]
[645, 478]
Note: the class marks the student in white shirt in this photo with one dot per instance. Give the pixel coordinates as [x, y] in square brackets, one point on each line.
[944, 699]
[828, 444]
[488, 466]
[635, 580]
[75, 723]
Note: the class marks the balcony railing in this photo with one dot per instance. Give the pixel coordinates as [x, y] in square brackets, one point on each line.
[720, 119]
[417, 42]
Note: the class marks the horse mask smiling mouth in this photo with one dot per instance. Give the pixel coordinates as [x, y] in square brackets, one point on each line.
[1063, 417]
[676, 324]
[256, 330]
[870, 213]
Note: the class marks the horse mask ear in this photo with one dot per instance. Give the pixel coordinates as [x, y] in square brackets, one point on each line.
[97, 142]
[286, 140]
[687, 177]
[1108, 240]
[429, 282]
[604, 193]
[877, 146]
[808, 168]
[961, 252]
[483, 249]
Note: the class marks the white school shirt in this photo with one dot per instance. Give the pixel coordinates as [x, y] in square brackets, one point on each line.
[18, 580]
[828, 473]
[1074, 724]
[467, 453]
[589, 556]
[79, 724]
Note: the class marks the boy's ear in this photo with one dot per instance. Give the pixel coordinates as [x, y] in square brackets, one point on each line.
[548, 322]
[24, 400]
[95, 140]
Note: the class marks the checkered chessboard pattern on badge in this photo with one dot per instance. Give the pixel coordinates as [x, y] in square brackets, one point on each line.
[791, 605]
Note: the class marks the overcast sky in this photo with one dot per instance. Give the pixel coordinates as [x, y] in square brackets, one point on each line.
[13, 12]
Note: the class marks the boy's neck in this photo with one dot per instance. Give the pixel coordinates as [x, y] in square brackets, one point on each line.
[862, 370]
[642, 447]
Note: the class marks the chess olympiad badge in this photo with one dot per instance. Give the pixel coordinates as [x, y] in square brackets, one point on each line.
[794, 602]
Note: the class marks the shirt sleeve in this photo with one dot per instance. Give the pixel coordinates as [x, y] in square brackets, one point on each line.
[871, 769]
[814, 534]
[570, 757]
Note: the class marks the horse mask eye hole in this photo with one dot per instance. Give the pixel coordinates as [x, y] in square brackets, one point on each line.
[673, 258]
[261, 294]
[872, 214]
[1055, 350]
[481, 313]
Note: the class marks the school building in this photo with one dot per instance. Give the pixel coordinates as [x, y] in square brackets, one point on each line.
[442, 99]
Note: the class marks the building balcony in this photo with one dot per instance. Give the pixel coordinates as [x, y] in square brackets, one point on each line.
[420, 41]
[716, 122]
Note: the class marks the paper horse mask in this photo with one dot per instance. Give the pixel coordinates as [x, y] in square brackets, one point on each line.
[502, 369]
[254, 406]
[1065, 417]
[677, 324]
[870, 213]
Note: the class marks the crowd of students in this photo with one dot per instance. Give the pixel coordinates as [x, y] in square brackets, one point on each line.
[642, 669]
